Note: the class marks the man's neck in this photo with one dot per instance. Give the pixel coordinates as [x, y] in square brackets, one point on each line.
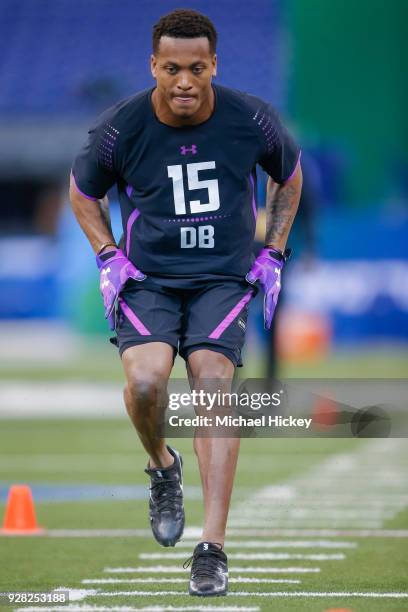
[165, 115]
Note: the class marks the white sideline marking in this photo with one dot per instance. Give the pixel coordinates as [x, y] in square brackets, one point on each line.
[183, 580]
[318, 533]
[278, 544]
[338, 524]
[298, 512]
[368, 594]
[289, 506]
[89, 608]
[321, 594]
[77, 594]
[347, 501]
[253, 556]
[175, 569]
[272, 594]
[21, 398]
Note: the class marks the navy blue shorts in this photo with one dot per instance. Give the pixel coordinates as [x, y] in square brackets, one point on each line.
[188, 314]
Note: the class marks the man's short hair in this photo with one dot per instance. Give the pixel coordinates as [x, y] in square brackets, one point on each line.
[184, 23]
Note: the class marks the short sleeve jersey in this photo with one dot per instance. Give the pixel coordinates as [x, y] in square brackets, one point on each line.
[188, 194]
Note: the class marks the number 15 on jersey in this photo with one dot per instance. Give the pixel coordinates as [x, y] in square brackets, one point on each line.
[189, 236]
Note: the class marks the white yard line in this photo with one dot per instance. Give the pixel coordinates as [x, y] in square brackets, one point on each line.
[318, 533]
[183, 580]
[299, 513]
[363, 594]
[90, 608]
[21, 399]
[282, 506]
[262, 594]
[175, 569]
[261, 543]
[253, 556]
[374, 471]
[347, 501]
[309, 523]
[76, 594]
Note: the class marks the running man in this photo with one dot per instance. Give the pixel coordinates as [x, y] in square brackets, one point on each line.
[183, 155]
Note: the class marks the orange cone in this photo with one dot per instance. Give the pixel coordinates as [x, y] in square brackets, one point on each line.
[20, 514]
[325, 412]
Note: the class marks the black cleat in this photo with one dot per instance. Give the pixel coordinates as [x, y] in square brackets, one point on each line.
[209, 570]
[166, 510]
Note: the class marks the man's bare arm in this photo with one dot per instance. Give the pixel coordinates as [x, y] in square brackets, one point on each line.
[93, 217]
[282, 202]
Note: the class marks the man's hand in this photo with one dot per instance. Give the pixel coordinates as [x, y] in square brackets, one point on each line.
[267, 270]
[115, 269]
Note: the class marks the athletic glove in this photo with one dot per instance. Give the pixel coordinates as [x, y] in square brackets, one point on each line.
[115, 269]
[267, 270]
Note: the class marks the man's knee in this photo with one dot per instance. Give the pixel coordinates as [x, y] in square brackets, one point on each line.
[209, 365]
[146, 389]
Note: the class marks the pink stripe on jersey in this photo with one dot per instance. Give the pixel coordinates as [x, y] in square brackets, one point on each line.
[295, 168]
[81, 192]
[231, 316]
[134, 215]
[135, 321]
[251, 178]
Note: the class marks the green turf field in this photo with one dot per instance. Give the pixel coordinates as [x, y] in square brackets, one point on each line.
[98, 361]
[300, 484]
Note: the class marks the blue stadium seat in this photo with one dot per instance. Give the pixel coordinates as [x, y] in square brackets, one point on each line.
[78, 56]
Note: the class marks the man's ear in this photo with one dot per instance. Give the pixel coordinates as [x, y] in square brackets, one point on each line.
[153, 65]
[214, 63]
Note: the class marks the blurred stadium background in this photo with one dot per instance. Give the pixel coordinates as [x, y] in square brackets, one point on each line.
[340, 87]
[337, 73]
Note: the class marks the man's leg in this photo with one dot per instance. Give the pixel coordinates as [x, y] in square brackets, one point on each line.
[147, 369]
[217, 456]
[211, 343]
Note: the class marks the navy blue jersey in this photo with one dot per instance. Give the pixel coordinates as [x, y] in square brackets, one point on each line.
[187, 194]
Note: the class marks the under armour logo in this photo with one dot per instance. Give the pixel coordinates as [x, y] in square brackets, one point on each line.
[184, 150]
[158, 473]
[105, 280]
[205, 546]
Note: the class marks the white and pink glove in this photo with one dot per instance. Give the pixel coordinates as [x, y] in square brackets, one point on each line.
[115, 269]
[267, 269]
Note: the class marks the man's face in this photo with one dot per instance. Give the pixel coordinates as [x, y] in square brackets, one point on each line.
[183, 68]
